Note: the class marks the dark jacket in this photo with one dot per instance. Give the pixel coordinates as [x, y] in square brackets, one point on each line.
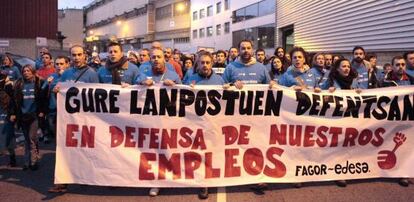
[40, 98]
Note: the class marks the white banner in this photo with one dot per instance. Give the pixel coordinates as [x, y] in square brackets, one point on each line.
[204, 137]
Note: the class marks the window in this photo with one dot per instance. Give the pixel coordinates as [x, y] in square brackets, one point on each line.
[163, 12]
[201, 33]
[251, 11]
[202, 13]
[218, 29]
[288, 39]
[227, 27]
[266, 7]
[218, 7]
[210, 11]
[226, 4]
[195, 15]
[262, 37]
[182, 40]
[209, 31]
[238, 15]
[194, 34]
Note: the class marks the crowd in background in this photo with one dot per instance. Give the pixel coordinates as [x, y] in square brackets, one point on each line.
[28, 95]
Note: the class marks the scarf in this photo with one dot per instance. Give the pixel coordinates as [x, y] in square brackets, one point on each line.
[344, 82]
[115, 67]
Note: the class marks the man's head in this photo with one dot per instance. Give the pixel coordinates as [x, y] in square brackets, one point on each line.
[409, 58]
[158, 60]
[398, 64]
[359, 54]
[233, 52]
[168, 53]
[260, 55]
[78, 55]
[46, 59]
[246, 50]
[115, 52]
[156, 45]
[205, 64]
[61, 64]
[144, 55]
[328, 59]
[221, 56]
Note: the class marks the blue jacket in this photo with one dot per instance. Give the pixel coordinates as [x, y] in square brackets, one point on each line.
[188, 74]
[128, 75]
[72, 73]
[12, 72]
[410, 71]
[214, 79]
[255, 73]
[362, 70]
[316, 78]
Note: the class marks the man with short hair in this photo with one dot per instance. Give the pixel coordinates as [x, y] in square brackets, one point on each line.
[144, 56]
[169, 58]
[328, 61]
[233, 53]
[245, 69]
[118, 70]
[220, 64]
[39, 60]
[47, 69]
[79, 72]
[205, 74]
[359, 64]
[398, 75]
[260, 55]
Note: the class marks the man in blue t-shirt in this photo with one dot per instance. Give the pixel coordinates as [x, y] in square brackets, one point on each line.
[205, 74]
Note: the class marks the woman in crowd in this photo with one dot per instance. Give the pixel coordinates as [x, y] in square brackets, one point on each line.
[30, 105]
[9, 69]
[276, 69]
[295, 73]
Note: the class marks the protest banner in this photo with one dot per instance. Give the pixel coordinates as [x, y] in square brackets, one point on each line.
[205, 136]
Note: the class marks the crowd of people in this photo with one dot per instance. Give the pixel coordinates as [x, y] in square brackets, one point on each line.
[28, 95]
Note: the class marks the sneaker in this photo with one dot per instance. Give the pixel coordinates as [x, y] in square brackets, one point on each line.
[59, 188]
[341, 183]
[203, 194]
[404, 182]
[154, 191]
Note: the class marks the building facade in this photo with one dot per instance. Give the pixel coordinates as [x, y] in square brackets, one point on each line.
[136, 24]
[70, 25]
[210, 25]
[23, 21]
[385, 27]
[254, 20]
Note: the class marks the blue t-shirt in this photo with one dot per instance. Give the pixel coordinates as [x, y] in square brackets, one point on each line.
[128, 75]
[316, 78]
[362, 74]
[214, 79]
[410, 71]
[71, 74]
[158, 78]
[251, 74]
[28, 91]
[292, 77]
[188, 74]
[12, 72]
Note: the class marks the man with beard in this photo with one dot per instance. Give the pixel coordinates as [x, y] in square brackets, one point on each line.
[328, 61]
[118, 69]
[367, 78]
[398, 76]
[245, 69]
[409, 58]
[159, 72]
[233, 53]
[169, 58]
[205, 74]
[80, 72]
[220, 65]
